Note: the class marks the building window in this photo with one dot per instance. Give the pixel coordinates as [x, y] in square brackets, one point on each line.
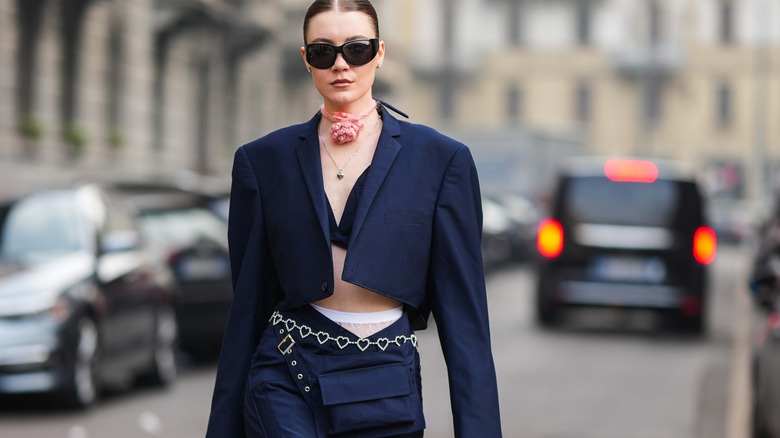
[114, 77]
[726, 22]
[161, 49]
[582, 102]
[515, 17]
[30, 19]
[651, 101]
[514, 103]
[655, 30]
[725, 101]
[583, 22]
[447, 99]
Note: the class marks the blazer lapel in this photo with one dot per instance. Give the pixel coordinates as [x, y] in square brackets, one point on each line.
[386, 152]
[308, 152]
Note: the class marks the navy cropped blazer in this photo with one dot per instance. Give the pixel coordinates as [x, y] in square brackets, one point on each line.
[415, 238]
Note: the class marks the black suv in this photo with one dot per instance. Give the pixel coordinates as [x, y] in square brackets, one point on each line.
[625, 233]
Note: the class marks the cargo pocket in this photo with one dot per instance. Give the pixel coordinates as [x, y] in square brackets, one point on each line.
[368, 398]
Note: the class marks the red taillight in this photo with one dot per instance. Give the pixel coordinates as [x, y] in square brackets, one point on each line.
[631, 170]
[704, 245]
[549, 239]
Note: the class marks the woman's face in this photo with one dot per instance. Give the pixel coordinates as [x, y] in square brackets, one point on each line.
[342, 85]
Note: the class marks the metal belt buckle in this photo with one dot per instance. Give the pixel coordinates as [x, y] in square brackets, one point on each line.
[286, 345]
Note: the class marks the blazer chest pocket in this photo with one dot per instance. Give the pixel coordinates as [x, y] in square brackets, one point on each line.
[368, 398]
[410, 218]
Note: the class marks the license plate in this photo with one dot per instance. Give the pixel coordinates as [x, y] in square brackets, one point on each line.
[635, 269]
[203, 269]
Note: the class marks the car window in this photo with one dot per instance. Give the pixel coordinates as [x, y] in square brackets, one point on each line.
[599, 200]
[40, 226]
[183, 227]
[118, 217]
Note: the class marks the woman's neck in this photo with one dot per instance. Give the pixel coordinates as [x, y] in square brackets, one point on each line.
[355, 107]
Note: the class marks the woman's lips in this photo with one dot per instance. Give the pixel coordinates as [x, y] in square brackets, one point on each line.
[341, 83]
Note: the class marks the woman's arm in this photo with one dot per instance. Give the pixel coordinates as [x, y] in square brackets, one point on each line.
[248, 260]
[456, 293]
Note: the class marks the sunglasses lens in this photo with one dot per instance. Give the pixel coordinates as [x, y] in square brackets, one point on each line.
[321, 55]
[359, 52]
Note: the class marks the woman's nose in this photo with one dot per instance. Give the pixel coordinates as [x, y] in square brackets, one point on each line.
[341, 63]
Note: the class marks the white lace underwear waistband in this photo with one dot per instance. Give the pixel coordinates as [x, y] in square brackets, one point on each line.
[338, 316]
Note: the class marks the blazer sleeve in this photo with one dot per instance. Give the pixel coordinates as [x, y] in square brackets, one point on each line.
[457, 295]
[248, 261]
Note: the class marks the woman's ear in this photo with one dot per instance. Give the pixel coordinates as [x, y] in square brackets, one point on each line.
[303, 55]
[380, 54]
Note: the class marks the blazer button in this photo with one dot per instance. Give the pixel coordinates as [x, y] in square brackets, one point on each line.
[324, 286]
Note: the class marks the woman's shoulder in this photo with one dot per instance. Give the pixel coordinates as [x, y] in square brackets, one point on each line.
[429, 137]
[276, 140]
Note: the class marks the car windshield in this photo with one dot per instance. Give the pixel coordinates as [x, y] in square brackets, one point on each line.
[41, 226]
[183, 227]
[599, 200]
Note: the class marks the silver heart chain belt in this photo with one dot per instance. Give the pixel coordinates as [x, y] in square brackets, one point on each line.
[341, 341]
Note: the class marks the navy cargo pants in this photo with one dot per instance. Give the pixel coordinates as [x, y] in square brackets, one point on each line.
[310, 377]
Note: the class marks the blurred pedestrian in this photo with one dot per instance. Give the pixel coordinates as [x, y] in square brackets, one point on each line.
[346, 232]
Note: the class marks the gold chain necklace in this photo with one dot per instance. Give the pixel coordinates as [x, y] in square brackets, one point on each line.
[340, 173]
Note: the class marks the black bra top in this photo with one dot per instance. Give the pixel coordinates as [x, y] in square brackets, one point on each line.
[339, 232]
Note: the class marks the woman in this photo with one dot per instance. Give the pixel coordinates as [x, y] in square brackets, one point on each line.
[346, 232]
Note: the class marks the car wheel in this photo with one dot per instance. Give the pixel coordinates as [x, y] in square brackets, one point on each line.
[546, 317]
[546, 314]
[83, 386]
[162, 370]
[759, 421]
[759, 428]
[546, 311]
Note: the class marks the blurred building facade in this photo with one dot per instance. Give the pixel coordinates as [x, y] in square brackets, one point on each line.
[99, 88]
[166, 86]
[697, 80]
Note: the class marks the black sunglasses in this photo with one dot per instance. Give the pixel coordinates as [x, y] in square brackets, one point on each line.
[356, 52]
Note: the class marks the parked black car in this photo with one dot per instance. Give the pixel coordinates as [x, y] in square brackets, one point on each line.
[82, 308]
[766, 369]
[523, 215]
[189, 235]
[497, 234]
[764, 284]
[626, 233]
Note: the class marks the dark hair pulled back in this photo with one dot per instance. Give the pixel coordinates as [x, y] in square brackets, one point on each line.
[320, 6]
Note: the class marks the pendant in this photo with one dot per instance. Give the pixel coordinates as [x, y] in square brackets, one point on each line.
[340, 174]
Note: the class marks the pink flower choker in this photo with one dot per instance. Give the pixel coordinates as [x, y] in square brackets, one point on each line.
[346, 127]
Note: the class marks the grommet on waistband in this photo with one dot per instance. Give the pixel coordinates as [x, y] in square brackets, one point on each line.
[307, 389]
[294, 362]
[281, 332]
[300, 376]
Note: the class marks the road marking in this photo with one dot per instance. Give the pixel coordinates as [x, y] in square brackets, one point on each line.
[150, 423]
[738, 422]
[78, 431]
